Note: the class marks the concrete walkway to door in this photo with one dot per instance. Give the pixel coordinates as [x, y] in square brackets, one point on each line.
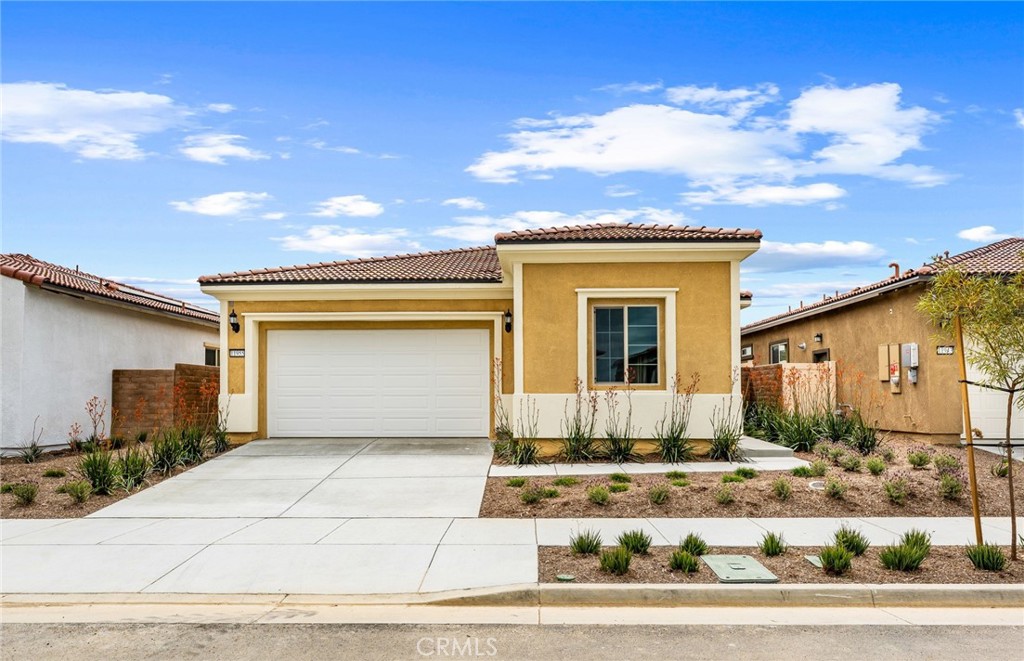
[324, 478]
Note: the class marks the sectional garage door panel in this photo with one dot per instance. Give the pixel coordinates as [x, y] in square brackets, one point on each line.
[378, 383]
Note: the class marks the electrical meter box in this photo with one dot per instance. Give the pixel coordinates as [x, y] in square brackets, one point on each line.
[909, 354]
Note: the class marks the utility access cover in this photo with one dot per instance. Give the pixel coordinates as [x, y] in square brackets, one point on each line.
[739, 569]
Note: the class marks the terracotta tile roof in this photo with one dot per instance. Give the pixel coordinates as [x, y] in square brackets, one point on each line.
[628, 232]
[33, 271]
[459, 265]
[1000, 258]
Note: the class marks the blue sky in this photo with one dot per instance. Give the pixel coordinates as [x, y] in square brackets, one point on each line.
[158, 142]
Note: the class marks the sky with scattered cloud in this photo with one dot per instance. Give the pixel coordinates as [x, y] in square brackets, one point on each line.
[151, 143]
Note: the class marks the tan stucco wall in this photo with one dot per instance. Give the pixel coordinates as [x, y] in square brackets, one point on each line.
[853, 334]
[703, 318]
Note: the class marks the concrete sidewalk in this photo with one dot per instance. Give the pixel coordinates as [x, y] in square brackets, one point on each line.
[361, 555]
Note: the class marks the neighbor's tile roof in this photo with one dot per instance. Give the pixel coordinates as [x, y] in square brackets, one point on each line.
[459, 265]
[628, 232]
[33, 271]
[1000, 258]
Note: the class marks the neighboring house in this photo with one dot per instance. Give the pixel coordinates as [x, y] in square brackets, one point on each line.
[64, 331]
[403, 346]
[868, 330]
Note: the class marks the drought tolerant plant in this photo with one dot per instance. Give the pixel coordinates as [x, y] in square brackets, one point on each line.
[917, 538]
[945, 462]
[524, 449]
[618, 488]
[671, 433]
[801, 471]
[799, 432]
[54, 472]
[132, 468]
[746, 472]
[724, 496]
[549, 492]
[531, 496]
[167, 452]
[835, 488]
[727, 430]
[96, 409]
[503, 434]
[75, 437]
[902, 557]
[782, 488]
[850, 463]
[772, 544]
[835, 559]
[515, 482]
[616, 561]
[566, 481]
[636, 541]
[585, 542]
[852, 540]
[836, 426]
[78, 490]
[897, 487]
[621, 478]
[730, 478]
[988, 557]
[7, 487]
[658, 494]
[98, 467]
[875, 466]
[195, 444]
[620, 435]
[862, 437]
[693, 544]
[675, 475]
[598, 495]
[683, 561]
[888, 454]
[25, 493]
[919, 458]
[818, 468]
[578, 442]
[31, 450]
[680, 483]
[952, 484]
[1002, 469]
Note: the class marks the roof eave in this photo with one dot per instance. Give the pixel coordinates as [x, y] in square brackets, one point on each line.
[212, 322]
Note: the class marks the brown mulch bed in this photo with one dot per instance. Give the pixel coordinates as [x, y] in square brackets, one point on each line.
[754, 498]
[945, 565]
[49, 504]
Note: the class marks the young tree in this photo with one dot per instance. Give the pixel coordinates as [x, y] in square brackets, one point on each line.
[991, 313]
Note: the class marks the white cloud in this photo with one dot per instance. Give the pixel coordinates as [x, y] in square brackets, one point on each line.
[354, 206]
[465, 203]
[323, 146]
[216, 147]
[481, 229]
[982, 234]
[620, 190]
[631, 88]
[103, 124]
[1018, 113]
[723, 142]
[232, 203]
[350, 242]
[222, 108]
[273, 215]
[777, 256]
[763, 195]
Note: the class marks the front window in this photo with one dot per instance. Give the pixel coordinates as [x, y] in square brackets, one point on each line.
[211, 356]
[778, 352]
[626, 338]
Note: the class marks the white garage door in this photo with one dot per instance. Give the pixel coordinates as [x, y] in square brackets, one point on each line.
[367, 383]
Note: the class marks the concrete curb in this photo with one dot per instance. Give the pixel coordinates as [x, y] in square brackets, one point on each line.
[597, 595]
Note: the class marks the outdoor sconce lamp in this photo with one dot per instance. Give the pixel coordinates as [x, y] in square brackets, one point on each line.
[817, 338]
[233, 321]
[508, 321]
[802, 346]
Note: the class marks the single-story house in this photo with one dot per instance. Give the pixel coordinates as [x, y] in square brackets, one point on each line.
[63, 333]
[405, 346]
[887, 353]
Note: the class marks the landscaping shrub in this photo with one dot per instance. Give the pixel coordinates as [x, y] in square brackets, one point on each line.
[1002, 469]
[944, 462]
[219, 437]
[671, 433]
[988, 557]
[682, 561]
[585, 542]
[620, 444]
[835, 559]
[746, 472]
[30, 452]
[531, 496]
[658, 494]
[578, 427]
[862, 437]
[724, 496]
[896, 487]
[772, 544]
[730, 478]
[195, 444]
[636, 541]
[167, 452]
[952, 484]
[763, 421]
[78, 490]
[549, 492]
[835, 426]
[566, 481]
[25, 493]
[917, 538]
[726, 431]
[835, 488]
[919, 458]
[54, 472]
[620, 477]
[620, 450]
[799, 432]
[598, 495]
[7, 487]
[852, 540]
[782, 488]
[801, 471]
[902, 557]
[693, 544]
[515, 482]
[675, 475]
[132, 467]
[523, 452]
[875, 466]
[680, 483]
[616, 561]
[818, 468]
[888, 454]
[618, 488]
[851, 463]
[99, 469]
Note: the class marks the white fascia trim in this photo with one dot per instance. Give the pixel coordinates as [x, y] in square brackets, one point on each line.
[666, 294]
[337, 292]
[584, 253]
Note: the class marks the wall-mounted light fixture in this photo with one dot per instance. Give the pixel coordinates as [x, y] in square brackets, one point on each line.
[508, 321]
[233, 321]
[818, 338]
[802, 346]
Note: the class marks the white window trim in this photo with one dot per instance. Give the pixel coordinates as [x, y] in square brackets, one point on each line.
[625, 341]
[583, 297]
[775, 344]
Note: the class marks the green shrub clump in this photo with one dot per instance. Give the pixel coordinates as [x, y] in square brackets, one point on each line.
[902, 557]
[549, 492]
[987, 557]
[746, 472]
[531, 496]
[585, 542]
[675, 475]
[693, 544]
[566, 481]
[782, 488]
[852, 540]
[636, 541]
[724, 496]
[875, 466]
[167, 452]
[79, 491]
[818, 468]
[897, 488]
[598, 495]
[25, 493]
[683, 561]
[616, 561]
[801, 471]
[132, 468]
[835, 559]
[919, 458]
[620, 478]
[730, 478]
[772, 544]
[658, 494]
[515, 482]
[618, 488]
[54, 472]
[851, 463]
[952, 485]
[681, 483]
[835, 488]
[945, 462]
[99, 468]
[1002, 469]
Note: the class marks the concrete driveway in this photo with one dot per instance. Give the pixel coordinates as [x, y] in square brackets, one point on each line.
[324, 478]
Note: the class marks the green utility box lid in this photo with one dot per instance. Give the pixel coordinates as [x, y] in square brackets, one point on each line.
[739, 569]
[814, 560]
